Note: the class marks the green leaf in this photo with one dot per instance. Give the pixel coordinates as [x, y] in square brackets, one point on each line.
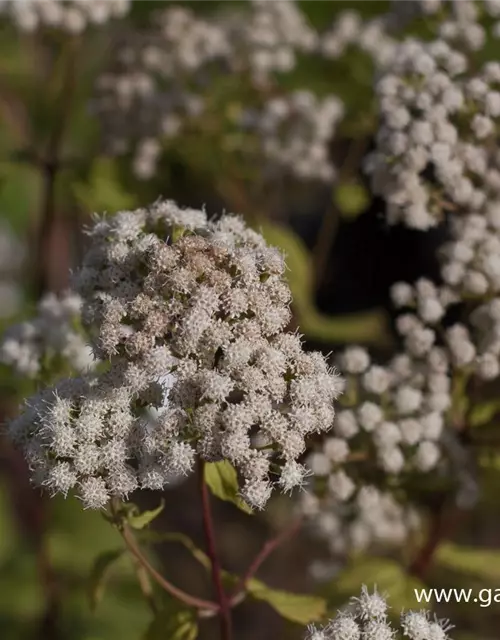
[19, 194]
[141, 520]
[295, 607]
[489, 460]
[103, 191]
[480, 563]
[173, 625]
[483, 413]
[100, 572]
[386, 574]
[152, 537]
[222, 479]
[368, 327]
[351, 198]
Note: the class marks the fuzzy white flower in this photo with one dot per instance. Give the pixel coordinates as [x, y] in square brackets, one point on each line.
[345, 424]
[355, 360]
[341, 486]
[367, 617]
[376, 380]
[191, 315]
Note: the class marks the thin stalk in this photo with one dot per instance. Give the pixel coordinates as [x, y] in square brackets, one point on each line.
[46, 278]
[331, 218]
[268, 548]
[50, 164]
[208, 525]
[145, 585]
[179, 594]
[444, 522]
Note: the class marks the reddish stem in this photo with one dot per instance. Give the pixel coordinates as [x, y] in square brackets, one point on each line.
[135, 550]
[269, 547]
[182, 596]
[208, 525]
[443, 524]
[50, 264]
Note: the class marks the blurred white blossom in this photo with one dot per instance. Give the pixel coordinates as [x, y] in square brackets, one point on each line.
[156, 90]
[53, 338]
[295, 132]
[72, 16]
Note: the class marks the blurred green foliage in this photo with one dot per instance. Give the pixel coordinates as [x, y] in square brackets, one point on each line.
[370, 327]
[301, 609]
[173, 623]
[75, 539]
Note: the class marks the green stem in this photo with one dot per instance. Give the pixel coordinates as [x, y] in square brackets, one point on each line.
[145, 585]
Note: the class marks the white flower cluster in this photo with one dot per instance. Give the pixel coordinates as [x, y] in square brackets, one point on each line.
[269, 41]
[187, 43]
[419, 96]
[73, 16]
[469, 350]
[350, 30]
[398, 412]
[104, 436]
[51, 340]
[369, 519]
[470, 259]
[435, 146]
[157, 87]
[12, 257]
[152, 90]
[174, 300]
[366, 617]
[461, 21]
[437, 159]
[470, 269]
[393, 423]
[295, 132]
[154, 87]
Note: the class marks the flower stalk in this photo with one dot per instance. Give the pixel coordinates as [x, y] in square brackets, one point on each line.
[208, 525]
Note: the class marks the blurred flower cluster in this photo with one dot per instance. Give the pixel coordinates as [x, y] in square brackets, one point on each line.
[72, 16]
[162, 86]
[52, 339]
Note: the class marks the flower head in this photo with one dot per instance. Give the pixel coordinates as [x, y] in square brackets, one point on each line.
[191, 315]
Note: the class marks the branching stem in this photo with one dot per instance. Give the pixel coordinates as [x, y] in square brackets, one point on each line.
[175, 592]
[268, 548]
